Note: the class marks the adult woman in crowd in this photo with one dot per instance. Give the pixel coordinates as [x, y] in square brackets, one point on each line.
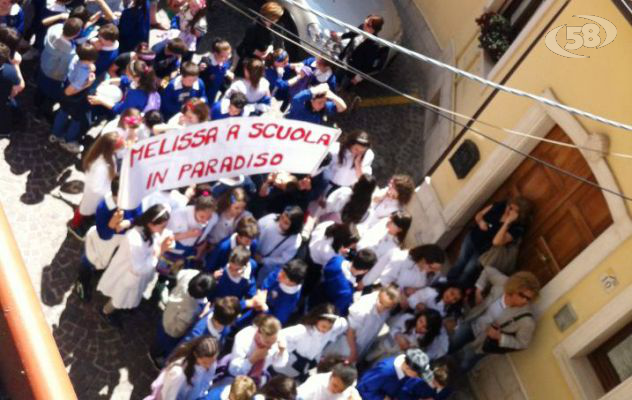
[499, 224]
[352, 158]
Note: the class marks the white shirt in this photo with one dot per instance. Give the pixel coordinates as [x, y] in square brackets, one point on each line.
[253, 94]
[436, 349]
[336, 201]
[494, 310]
[405, 273]
[224, 227]
[97, 185]
[428, 297]
[374, 274]
[270, 236]
[398, 362]
[345, 174]
[243, 347]
[183, 220]
[378, 239]
[172, 200]
[316, 387]
[366, 321]
[217, 334]
[320, 249]
[175, 386]
[181, 309]
[378, 210]
[308, 341]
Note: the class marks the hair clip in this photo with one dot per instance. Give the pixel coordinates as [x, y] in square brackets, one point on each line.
[205, 193]
[132, 120]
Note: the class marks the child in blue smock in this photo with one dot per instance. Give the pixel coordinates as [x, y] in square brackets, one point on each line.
[168, 57]
[235, 106]
[236, 278]
[282, 289]
[139, 90]
[399, 377]
[12, 15]
[245, 235]
[339, 279]
[107, 44]
[215, 68]
[314, 104]
[183, 87]
[218, 321]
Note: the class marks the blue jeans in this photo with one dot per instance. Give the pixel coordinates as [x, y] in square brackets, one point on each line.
[66, 128]
[465, 269]
[459, 346]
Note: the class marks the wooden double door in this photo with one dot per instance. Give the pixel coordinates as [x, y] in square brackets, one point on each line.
[568, 214]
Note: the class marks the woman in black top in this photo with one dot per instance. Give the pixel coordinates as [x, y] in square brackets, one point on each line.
[257, 41]
[498, 224]
[361, 53]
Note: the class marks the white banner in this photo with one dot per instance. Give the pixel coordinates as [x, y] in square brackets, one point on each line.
[222, 149]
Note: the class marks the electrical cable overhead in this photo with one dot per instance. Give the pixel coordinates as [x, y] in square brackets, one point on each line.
[429, 106]
[465, 74]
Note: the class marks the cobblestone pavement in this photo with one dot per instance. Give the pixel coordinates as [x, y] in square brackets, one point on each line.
[39, 185]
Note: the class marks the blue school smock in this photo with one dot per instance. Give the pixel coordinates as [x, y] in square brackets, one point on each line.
[134, 26]
[200, 328]
[217, 113]
[214, 76]
[301, 108]
[381, 381]
[244, 289]
[164, 65]
[105, 60]
[133, 98]
[280, 304]
[175, 95]
[218, 258]
[278, 83]
[313, 81]
[335, 288]
[103, 216]
[15, 19]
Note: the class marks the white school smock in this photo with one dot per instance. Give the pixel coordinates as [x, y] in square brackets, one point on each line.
[365, 321]
[336, 201]
[175, 386]
[172, 200]
[270, 236]
[131, 270]
[316, 387]
[308, 342]
[428, 297]
[243, 347]
[405, 273]
[345, 174]
[183, 220]
[99, 251]
[379, 240]
[378, 210]
[320, 249]
[97, 185]
[373, 276]
[253, 94]
[224, 227]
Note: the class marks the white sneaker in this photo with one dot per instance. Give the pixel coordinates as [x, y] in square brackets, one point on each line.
[72, 147]
[53, 139]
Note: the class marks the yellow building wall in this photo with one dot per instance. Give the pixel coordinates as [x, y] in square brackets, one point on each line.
[601, 84]
[451, 20]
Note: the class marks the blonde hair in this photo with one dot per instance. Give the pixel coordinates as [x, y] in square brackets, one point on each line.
[243, 388]
[522, 280]
[271, 11]
[391, 291]
[268, 325]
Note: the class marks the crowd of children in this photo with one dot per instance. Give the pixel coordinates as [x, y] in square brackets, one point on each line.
[276, 286]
